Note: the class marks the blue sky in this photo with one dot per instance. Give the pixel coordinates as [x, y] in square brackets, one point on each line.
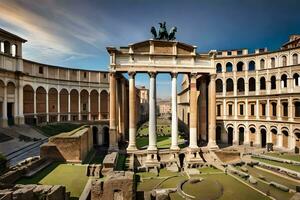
[74, 33]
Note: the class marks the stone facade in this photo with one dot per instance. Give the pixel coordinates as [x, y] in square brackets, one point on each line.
[117, 186]
[70, 146]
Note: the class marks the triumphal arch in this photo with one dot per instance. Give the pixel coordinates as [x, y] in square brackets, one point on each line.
[163, 55]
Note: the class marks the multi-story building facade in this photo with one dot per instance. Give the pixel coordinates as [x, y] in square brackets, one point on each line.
[257, 97]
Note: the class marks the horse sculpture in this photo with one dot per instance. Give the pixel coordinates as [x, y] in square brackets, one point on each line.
[163, 33]
[173, 30]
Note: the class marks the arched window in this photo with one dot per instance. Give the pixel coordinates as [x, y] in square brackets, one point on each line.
[295, 59]
[219, 68]
[262, 82]
[252, 84]
[283, 81]
[1, 47]
[251, 66]
[240, 66]
[296, 78]
[272, 62]
[273, 83]
[262, 64]
[284, 61]
[229, 67]
[297, 109]
[229, 85]
[240, 85]
[6, 47]
[219, 85]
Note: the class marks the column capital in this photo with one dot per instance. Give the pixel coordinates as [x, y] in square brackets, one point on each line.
[112, 74]
[152, 74]
[131, 74]
[174, 74]
[213, 76]
[193, 75]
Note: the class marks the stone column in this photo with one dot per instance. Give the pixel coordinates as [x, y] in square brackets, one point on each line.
[132, 118]
[4, 108]
[69, 106]
[79, 106]
[152, 112]
[113, 142]
[193, 111]
[47, 106]
[34, 103]
[99, 107]
[212, 112]
[58, 106]
[203, 103]
[174, 145]
[89, 107]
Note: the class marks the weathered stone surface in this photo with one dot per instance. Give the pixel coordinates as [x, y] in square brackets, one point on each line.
[252, 180]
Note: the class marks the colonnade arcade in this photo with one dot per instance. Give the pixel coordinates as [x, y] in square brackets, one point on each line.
[155, 57]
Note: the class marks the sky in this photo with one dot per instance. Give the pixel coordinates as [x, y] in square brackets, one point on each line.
[75, 33]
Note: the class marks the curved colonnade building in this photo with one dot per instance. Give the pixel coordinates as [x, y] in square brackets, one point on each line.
[257, 97]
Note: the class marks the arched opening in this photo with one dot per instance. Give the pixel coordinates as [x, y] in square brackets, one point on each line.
[230, 135]
[297, 138]
[219, 68]
[41, 104]
[64, 104]
[84, 107]
[240, 67]
[284, 61]
[104, 104]
[14, 50]
[218, 134]
[28, 104]
[1, 47]
[95, 135]
[262, 83]
[10, 108]
[274, 136]
[7, 48]
[284, 81]
[295, 59]
[240, 85]
[94, 104]
[252, 84]
[53, 102]
[273, 83]
[229, 67]
[285, 139]
[241, 135]
[229, 85]
[252, 136]
[251, 66]
[2, 85]
[262, 64]
[74, 104]
[296, 79]
[272, 62]
[297, 109]
[106, 136]
[219, 85]
[263, 138]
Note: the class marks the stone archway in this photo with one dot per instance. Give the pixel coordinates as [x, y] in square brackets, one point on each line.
[252, 135]
[230, 136]
[105, 131]
[95, 135]
[263, 138]
[241, 135]
[218, 134]
[41, 105]
[285, 139]
[274, 137]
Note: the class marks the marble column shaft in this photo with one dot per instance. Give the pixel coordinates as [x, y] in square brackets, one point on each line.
[193, 112]
[132, 117]
[152, 112]
[174, 144]
[113, 144]
[212, 112]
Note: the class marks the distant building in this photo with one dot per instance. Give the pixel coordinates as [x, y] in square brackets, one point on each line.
[144, 102]
[164, 107]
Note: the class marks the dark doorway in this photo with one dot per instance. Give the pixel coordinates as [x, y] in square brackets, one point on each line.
[181, 159]
[218, 135]
[106, 136]
[10, 117]
[95, 135]
[263, 136]
[230, 135]
[241, 135]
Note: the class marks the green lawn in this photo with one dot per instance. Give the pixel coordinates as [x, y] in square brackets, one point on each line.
[294, 157]
[163, 142]
[209, 170]
[54, 129]
[71, 176]
[213, 184]
[120, 166]
[285, 165]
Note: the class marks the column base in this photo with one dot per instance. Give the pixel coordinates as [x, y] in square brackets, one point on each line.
[4, 123]
[20, 120]
[193, 158]
[235, 143]
[131, 148]
[212, 145]
[175, 148]
[152, 148]
[151, 160]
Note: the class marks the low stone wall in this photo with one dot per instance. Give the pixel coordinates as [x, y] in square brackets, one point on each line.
[281, 170]
[71, 146]
[276, 159]
[21, 170]
[33, 192]
[118, 185]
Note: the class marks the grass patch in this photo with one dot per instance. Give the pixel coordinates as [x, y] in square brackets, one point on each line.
[71, 176]
[54, 129]
[163, 142]
[285, 165]
[120, 166]
[293, 157]
[209, 170]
